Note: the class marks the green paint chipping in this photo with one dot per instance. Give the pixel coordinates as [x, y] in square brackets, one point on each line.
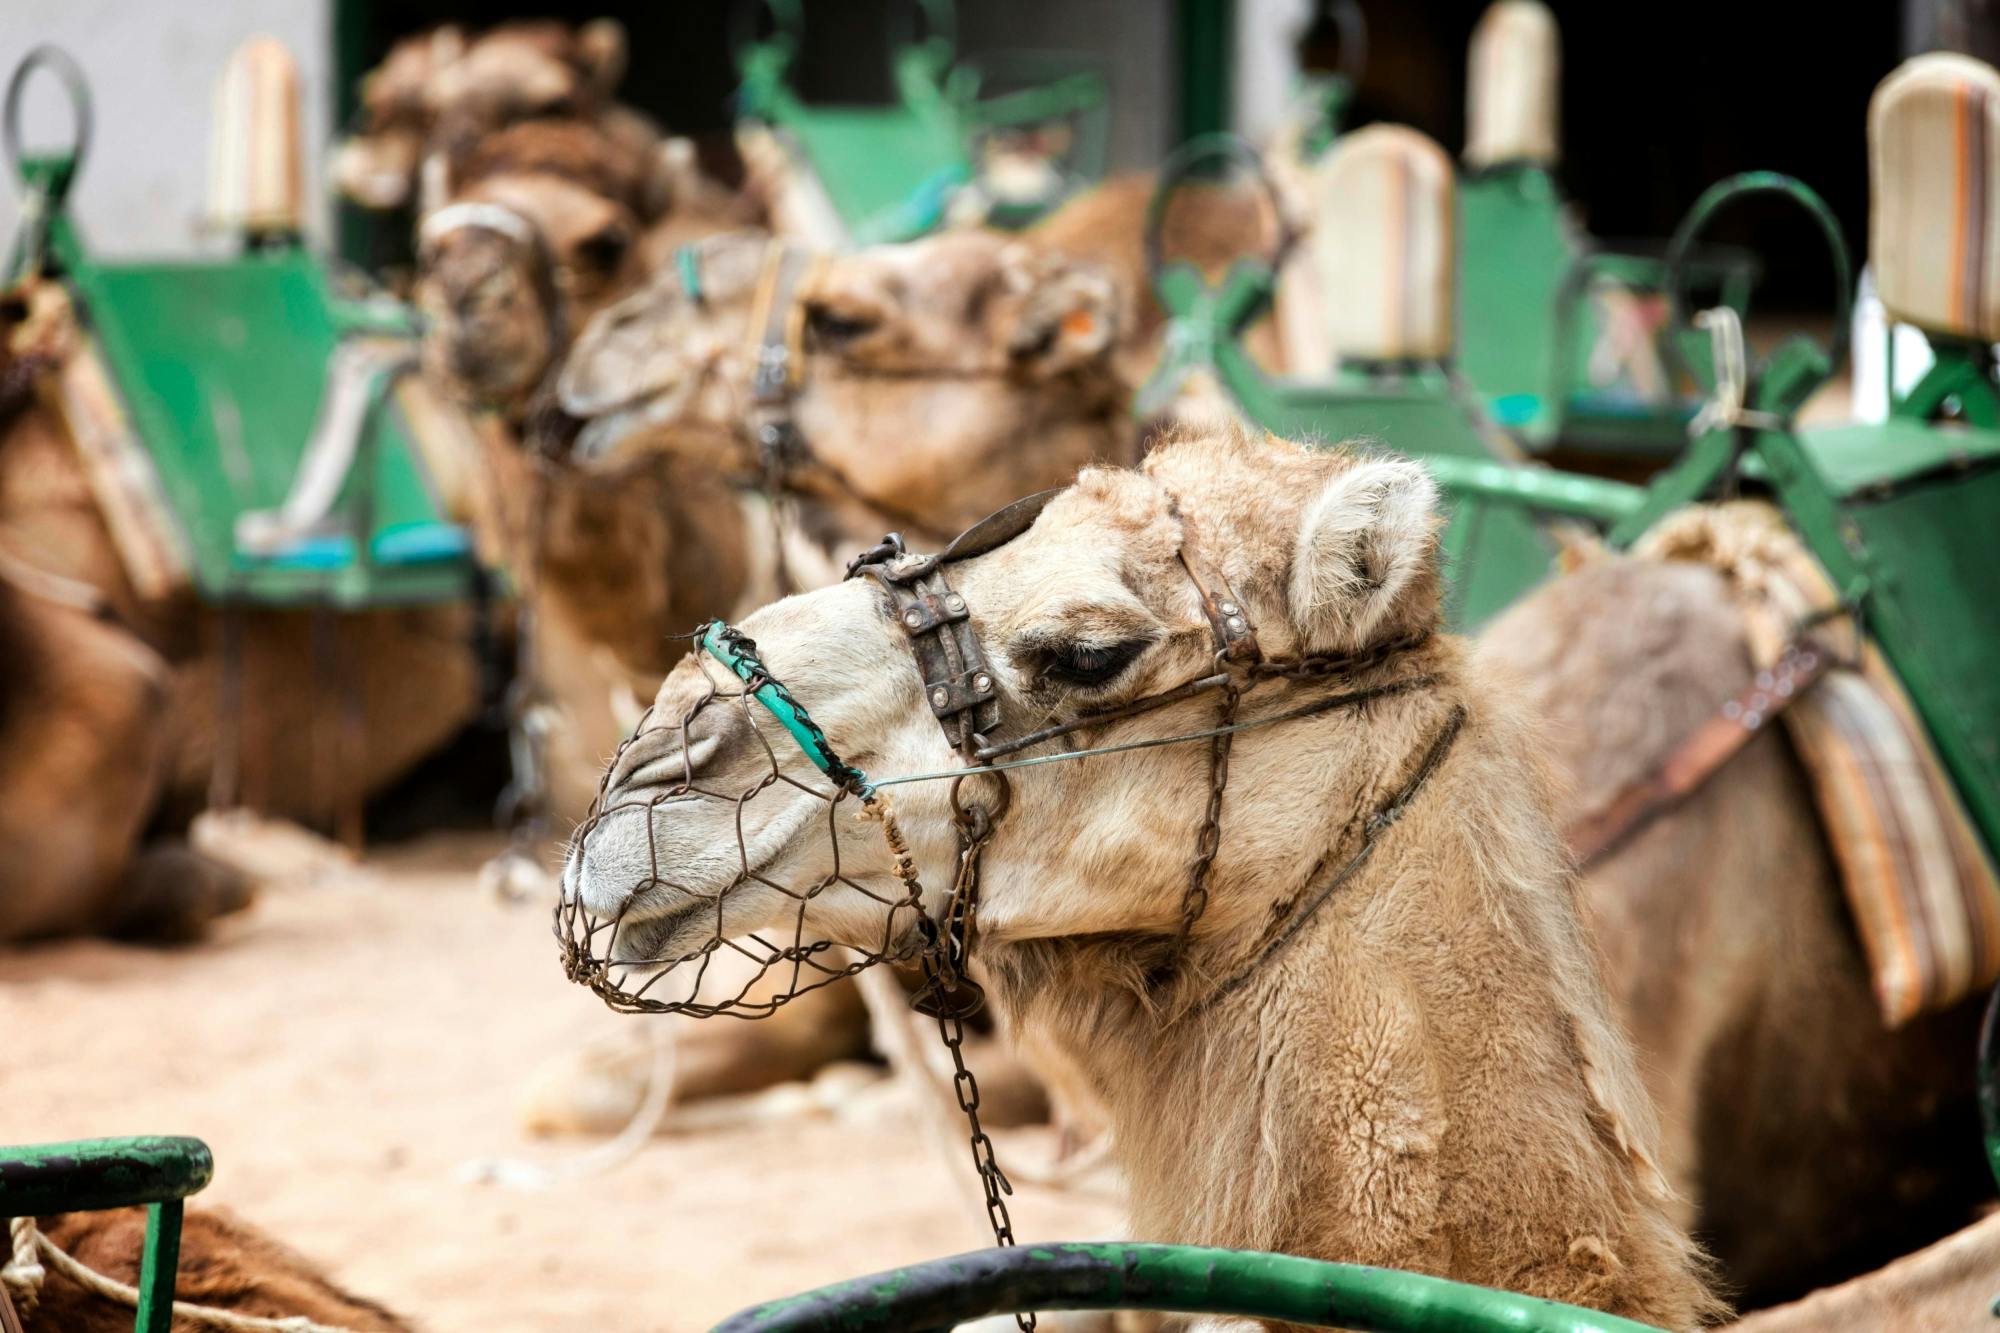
[100, 1173]
[1181, 1279]
[95, 1174]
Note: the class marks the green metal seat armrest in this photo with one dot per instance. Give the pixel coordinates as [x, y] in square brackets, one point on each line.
[1181, 1278]
[91, 1174]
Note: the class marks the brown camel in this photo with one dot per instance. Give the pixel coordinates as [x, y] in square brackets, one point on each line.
[153, 722]
[224, 1263]
[1420, 1069]
[1949, 1287]
[1811, 1144]
[938, 379]
[438, 93]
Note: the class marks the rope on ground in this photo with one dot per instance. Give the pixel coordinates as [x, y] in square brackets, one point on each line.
[35, 1254]
[519, 1173]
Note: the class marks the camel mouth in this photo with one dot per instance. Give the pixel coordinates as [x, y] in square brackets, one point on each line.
[604, 436]
[656, 943]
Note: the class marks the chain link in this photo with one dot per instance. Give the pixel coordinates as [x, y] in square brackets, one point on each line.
[950, 995]
[1208, 841]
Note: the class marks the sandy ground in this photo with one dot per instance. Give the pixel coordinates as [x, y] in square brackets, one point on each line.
[345, 1048]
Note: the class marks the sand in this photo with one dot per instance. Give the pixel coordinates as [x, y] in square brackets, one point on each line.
[347, 1046]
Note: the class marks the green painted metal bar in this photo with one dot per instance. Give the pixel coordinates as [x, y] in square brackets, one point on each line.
[157, 1267]
[1207, 49]
[1538, 489]
[1180, 1278]
[101, 1173]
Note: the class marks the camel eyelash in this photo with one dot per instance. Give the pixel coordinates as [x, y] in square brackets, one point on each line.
[1084, 665]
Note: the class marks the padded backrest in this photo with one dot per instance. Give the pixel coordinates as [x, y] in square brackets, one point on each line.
[1513, 100]
[256, 169]
[1383, 214]
[1934, 210]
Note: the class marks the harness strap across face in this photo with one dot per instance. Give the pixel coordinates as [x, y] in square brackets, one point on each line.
[777, 352]
[518, 230]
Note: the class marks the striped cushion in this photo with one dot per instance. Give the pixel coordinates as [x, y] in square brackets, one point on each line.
[1513, 86]
[1934, 216]
[1923, 892]
[1383, 209]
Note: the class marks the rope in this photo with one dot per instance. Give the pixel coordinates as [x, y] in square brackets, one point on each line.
[23, 1276]
[35, 1254]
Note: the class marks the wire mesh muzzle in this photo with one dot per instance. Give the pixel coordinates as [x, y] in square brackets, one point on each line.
[725, 971]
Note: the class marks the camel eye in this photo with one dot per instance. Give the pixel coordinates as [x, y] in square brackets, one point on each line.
[830, 331]
[1088, 665]
[603, 253]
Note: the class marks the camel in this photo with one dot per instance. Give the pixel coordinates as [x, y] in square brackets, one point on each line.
[1811, 1144]
[1942, 1288]
[1420, 1070]
[440, 91]
[224, 1263]
[937, 377]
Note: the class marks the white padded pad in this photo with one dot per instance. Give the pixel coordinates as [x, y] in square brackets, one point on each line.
[256, 166]
[1514, 86]
[1384, 213]
[1934, 211]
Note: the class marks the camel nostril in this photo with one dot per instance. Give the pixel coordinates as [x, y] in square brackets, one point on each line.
[663, 765]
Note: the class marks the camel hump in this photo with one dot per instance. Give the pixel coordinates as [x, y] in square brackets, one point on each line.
[256, 179]
[1934, 212]
[1513, 86]
[1383, 208]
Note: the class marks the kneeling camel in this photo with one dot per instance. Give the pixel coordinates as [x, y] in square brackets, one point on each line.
[1386, 1039]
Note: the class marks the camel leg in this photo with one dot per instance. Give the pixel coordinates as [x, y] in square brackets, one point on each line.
[172, 892]
[597, 1088]
[80, 762]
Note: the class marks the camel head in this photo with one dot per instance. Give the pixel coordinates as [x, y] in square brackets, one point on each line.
[714, 824]
[507, 272]
[444, 89]
[929, 382]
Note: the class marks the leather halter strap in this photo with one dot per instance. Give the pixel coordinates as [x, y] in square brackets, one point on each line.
[777, 328]
[1699, 757]
[1235, 635]
[959, 683]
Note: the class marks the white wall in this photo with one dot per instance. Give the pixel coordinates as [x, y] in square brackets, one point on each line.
[152, 66]
[1267, 70]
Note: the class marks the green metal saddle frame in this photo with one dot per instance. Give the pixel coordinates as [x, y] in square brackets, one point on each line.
[219, 368]
[1494, 545]
[890, 170]
[1527, 324]
[96, 1174]
[1183, 1279]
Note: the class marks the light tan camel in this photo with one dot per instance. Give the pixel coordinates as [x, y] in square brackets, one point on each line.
[1420, 1069]
[1811, 1144]
[225, 1263]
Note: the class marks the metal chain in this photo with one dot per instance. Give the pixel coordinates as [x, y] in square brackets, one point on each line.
[1209, 840]
[953, 996]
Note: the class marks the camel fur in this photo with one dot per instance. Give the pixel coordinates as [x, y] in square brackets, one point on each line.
[224, 1262]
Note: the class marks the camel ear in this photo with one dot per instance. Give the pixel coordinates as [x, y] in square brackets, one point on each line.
[1068, 312]
[1365, 566]
[601, 50]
